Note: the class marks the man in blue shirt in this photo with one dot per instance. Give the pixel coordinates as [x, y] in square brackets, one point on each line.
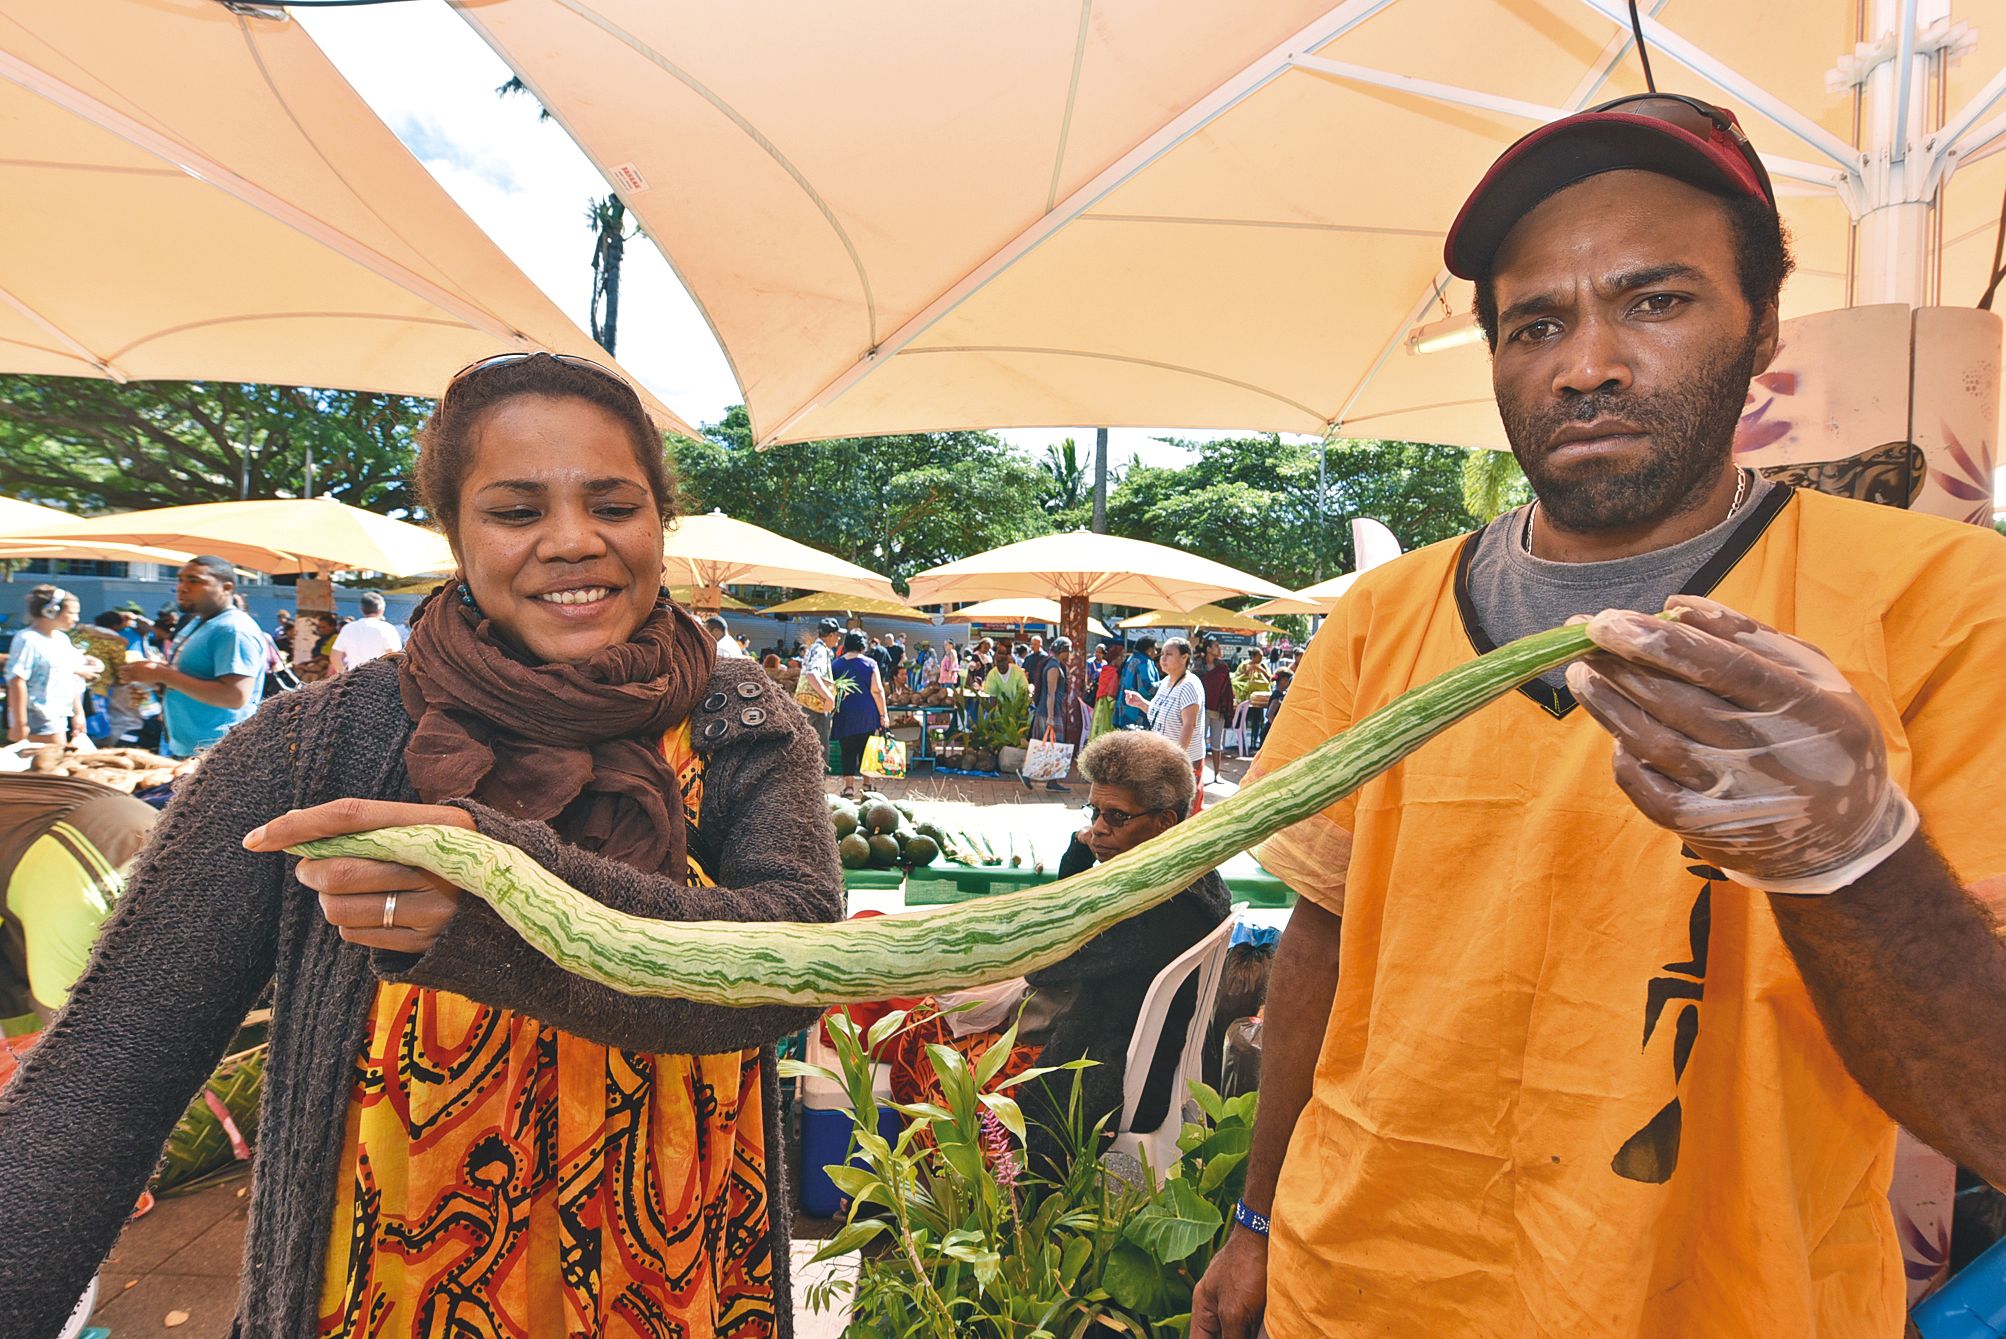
[215, 670]
[1139, 674]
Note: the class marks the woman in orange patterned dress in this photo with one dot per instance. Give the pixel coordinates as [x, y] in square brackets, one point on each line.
[458, 1138]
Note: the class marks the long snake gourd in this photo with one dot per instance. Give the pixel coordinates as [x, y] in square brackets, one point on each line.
[742, 963]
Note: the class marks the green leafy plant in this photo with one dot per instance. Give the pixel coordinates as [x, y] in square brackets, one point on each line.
[960, 1241]
[1006, 722]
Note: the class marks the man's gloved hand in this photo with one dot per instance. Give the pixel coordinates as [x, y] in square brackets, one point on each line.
[1746, 742]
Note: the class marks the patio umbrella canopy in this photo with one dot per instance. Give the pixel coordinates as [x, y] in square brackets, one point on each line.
[1143, 212]
[1204, 616]
[826, 602]
[94, 551]
[1019, 611]
[284, 535]
[713, 550]
[1107, 569]
[1318, 599]
[686, 596]
[212, 201]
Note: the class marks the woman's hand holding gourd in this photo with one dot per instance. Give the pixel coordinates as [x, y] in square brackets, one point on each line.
[354, 893]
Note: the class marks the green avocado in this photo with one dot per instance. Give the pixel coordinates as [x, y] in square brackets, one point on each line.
[854, 852]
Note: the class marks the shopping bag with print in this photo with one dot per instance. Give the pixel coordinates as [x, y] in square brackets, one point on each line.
[1048, 759]
[884, 756]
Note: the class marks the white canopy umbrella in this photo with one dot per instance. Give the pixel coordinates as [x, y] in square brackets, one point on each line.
[1019, 611]
[1105, 569]
[1371, 543]
[283, 535]
[1173, 211]
[709, 552]
[197, 194]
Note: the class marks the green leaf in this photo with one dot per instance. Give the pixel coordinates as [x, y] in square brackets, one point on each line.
[1140, 1283]
[853, 1181]
[993, 1058]
[885, 1026]
[1074, 1259]
[1007, 1111]
[957, 1085]
[1218, 1170]
[1208, 1100]
[1174, 1224]
[801, 1069]
[850, 1237]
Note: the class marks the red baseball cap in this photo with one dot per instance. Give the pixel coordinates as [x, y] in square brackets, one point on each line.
[1667, 133]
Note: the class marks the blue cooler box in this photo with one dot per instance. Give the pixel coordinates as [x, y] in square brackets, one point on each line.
[825, 1130]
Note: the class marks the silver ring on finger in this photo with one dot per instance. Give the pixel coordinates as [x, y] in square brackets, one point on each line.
[390, 911]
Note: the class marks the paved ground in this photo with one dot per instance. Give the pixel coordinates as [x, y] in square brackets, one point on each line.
[181, 1259]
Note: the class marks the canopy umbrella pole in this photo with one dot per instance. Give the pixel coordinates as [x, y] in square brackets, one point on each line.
[1073, 627]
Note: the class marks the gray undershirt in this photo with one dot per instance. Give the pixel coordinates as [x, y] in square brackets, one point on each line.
[1516, 594]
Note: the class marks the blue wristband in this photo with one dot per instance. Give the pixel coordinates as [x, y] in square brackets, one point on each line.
[1247, 1218]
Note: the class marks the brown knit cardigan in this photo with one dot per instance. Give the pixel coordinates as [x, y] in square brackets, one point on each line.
[205, 925]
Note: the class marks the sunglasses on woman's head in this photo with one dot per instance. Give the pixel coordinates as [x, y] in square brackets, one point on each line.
[492, 361]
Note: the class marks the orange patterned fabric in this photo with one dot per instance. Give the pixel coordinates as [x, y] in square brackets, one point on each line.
[506, 1180]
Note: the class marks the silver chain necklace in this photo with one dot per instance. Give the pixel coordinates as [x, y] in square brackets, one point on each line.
[1740, 496]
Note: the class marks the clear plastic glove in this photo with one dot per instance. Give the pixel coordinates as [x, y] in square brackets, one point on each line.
[1748, 743]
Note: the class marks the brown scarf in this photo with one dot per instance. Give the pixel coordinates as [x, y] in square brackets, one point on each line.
[577, 746]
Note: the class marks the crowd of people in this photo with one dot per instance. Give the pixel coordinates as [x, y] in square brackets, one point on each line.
[188, 674]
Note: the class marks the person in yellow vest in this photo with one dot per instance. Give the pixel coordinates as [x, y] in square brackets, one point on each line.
[1606, 1003]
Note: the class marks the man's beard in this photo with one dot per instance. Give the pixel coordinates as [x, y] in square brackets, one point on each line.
[1691, 429]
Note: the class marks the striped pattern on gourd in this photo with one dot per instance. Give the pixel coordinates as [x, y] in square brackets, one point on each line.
[743, 963]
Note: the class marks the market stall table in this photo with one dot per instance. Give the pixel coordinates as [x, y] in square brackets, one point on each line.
[1038, 835]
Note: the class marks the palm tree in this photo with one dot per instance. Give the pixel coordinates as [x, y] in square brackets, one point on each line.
[608, 220]
[1067, 482]
[1493, 484]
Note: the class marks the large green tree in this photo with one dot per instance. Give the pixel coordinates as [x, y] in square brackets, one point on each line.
[94, 446]
[896, 504]
[1252, 502]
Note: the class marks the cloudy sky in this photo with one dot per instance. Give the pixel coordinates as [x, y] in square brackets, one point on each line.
[433, 82]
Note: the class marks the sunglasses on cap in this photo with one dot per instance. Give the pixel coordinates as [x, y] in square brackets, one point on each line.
[492, 361]
[1700, 119]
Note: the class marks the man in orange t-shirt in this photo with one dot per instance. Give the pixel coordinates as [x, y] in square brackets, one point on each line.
[1617, 1030]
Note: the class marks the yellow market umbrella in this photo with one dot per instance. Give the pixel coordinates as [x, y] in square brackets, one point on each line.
[713, 550]
[1318, 599]
[283, 535]
[1105, 569]
[18, 515]
[200, 195]
[1148, 212]
[826, 603]
[686, 596]
[85, 550]
[1019, 611]
[1204, 616]
[1373, 545]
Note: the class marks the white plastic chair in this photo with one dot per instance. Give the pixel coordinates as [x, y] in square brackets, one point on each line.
[1205, 959]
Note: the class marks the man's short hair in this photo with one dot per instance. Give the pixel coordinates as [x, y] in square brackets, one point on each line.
[716, 623]
[1146, 765]
[222, 569]
[372, 604]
